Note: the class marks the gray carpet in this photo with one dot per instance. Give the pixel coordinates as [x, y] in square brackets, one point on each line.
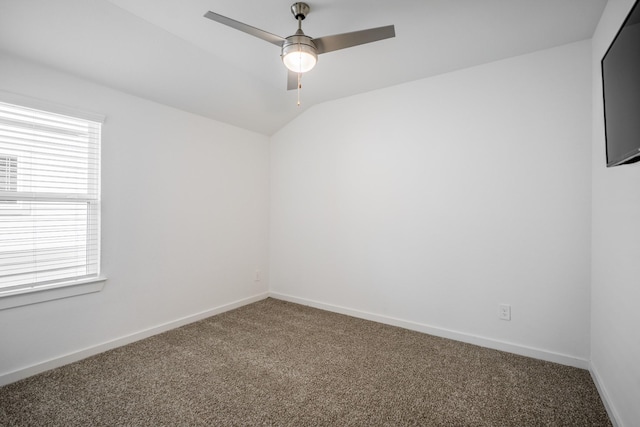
[278, 363]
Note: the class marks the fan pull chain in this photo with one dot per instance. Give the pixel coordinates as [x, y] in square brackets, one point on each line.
[299, 87]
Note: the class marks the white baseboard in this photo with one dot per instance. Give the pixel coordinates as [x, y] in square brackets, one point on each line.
[20, 374]
[604, 395]
[444, 333]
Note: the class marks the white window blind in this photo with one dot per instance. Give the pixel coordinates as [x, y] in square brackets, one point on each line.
[49, 198]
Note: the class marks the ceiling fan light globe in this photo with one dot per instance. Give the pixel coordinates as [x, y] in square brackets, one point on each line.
[299, 54]
[299, 61]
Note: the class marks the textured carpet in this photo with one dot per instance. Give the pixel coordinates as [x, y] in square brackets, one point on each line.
[278, 363]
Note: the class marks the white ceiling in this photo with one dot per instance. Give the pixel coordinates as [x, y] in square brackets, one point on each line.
[166, 51]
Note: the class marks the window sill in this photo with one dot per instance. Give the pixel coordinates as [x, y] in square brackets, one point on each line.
[20, 297]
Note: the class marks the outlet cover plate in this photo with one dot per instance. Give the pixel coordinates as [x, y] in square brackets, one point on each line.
[505, 312]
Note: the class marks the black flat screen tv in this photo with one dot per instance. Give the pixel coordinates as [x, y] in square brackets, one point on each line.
[621, 91]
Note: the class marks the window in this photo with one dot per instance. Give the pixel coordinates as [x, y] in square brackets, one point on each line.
[49, 199]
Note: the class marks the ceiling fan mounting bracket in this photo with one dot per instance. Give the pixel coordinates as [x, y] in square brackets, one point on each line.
[300, 10]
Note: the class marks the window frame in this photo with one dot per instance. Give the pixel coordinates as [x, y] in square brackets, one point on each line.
[16, 296]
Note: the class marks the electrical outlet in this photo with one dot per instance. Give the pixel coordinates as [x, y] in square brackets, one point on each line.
[256, 278]
[505, 312]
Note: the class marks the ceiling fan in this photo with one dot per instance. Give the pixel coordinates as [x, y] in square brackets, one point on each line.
[299, 51]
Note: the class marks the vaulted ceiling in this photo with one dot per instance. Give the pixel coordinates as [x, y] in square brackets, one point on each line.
[166, 51]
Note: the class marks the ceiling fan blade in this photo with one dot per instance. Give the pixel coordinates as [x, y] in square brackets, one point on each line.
[341, 41]
[292, 80]
[256, 32]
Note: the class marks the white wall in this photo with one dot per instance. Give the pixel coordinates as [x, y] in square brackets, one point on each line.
[435, 201]
[615, 321]
[184, 224]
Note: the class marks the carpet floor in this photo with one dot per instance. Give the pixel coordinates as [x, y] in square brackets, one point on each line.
[274, 363]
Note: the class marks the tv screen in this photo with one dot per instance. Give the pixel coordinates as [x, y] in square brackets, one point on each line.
[621, 91]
